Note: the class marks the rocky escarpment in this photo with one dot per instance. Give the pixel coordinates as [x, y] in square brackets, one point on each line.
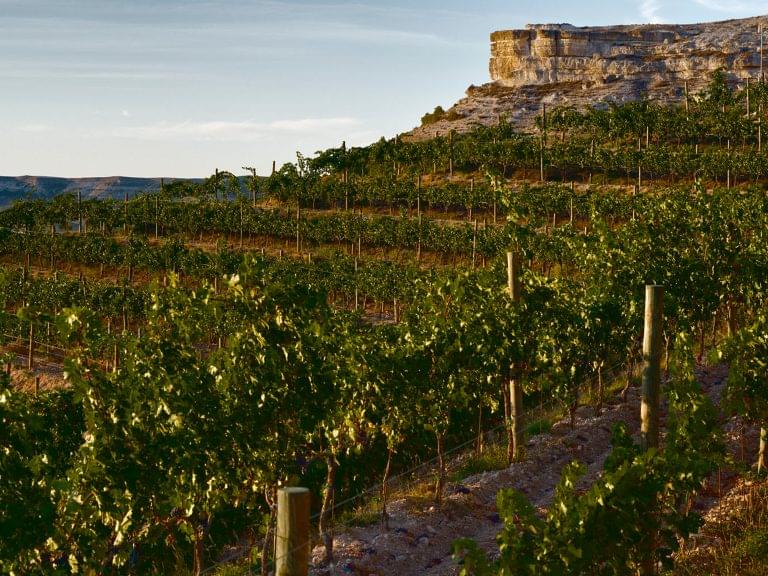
[560, 64]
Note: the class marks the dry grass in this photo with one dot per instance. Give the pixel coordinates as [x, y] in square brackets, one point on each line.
[734, 539]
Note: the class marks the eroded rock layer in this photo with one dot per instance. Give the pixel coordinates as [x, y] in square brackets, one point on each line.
[560, 64]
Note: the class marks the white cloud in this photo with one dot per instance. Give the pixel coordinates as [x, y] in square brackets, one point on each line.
[125, 114]
[226, 131]
[735, 6]
[649, 9]
[312, 124]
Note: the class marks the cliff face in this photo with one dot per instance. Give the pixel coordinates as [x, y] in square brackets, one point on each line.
[562, 53]
[560, 64]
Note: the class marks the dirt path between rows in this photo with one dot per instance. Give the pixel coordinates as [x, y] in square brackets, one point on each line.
[420, 543]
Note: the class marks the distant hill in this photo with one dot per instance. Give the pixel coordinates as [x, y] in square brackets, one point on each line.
[19, 187]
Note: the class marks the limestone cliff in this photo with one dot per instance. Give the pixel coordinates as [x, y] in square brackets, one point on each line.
[560, 64]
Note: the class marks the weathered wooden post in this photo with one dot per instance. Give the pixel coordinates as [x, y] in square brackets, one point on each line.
[241, 226]
[515, 386]
[125, 212]
[418, 213]
[652, 353]
[298, 229]
[37, 384]
[356, 290]
[31, 350]
[157, 210]
[79, 212]
[292, 539]
[471, 196]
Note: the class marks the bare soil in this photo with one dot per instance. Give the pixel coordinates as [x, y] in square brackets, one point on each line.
[419, 542]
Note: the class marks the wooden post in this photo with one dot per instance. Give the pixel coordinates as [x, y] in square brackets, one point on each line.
[418, 212]
[513, 276]
[761, 456]
[31, 349]
[125, 212]
[157, 212]
[652, 353]
[471, 196]
[241, 226]
[292, 540]
[474, 245]
[37, 384]
[686, 100]
[649, 408]
[749, 109]
[274, 164]
[79, 212]
[356, 292]
[346, 190]
[298, 232]
[515, 386]
[450, 153]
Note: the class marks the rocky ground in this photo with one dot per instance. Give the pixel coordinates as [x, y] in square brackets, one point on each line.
[419, 541]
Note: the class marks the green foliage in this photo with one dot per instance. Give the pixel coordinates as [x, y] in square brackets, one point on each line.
[608, 529]
[38, 437]
[747, 351]
[439, 114]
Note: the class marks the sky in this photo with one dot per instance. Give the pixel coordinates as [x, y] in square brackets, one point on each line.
[179, 88]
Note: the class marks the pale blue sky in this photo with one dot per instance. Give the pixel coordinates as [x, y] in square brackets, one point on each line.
[179, 88]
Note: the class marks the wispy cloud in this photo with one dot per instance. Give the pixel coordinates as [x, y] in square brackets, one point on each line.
[649, 9]
[735, 6]
[226, 131]
[34, 128]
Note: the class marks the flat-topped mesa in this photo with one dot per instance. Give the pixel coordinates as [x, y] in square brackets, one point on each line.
[561, 53]
[563, 65]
